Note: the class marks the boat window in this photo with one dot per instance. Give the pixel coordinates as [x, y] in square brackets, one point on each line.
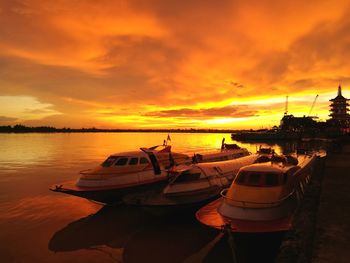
[109, 161]
[257, 179]
[121, 161]
[143, 160]
[133, 161]
[241, 177]
[254, 179]
[187, 177]
[271, 179]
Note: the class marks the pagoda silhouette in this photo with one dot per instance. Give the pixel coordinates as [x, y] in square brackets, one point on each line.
[339, 111]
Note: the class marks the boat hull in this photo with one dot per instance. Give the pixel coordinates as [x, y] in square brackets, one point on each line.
[106, 195]
[149, 198]
[259, 214]
[209, 216]
[157, 203]
[195, 195]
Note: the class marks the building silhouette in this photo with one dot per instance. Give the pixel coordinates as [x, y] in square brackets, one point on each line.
[339, 111]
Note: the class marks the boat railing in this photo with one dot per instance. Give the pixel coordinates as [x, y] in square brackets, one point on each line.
[245, 203]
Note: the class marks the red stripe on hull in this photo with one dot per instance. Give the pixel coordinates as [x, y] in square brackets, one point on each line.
[209, 216]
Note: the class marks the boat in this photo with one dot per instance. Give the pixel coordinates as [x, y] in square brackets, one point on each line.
[227, 152]
[263, 197]
[192, 184]
[122, 173]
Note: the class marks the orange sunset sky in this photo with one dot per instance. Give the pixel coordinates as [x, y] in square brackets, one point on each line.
[170, 64]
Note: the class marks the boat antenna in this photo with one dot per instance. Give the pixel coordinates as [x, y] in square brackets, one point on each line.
[313, 105]
[167, 139]
[286, 106]
[223, 144]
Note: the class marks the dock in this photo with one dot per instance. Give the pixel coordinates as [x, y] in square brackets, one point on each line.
[332, 236]
[321, 230]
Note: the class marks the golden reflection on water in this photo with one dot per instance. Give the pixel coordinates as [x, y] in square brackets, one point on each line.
[34, 209]
[69, 149]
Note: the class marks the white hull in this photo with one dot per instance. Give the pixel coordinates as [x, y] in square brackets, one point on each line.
[259, 214]
[122, 179]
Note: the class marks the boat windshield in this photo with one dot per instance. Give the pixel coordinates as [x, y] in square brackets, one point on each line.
[109, 161]
[187, 177]
[134, 161]
[121, 161]
[260, 179]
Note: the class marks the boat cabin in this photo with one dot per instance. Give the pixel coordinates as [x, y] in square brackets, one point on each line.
[261, 184]
[124, 160]
[261, 179]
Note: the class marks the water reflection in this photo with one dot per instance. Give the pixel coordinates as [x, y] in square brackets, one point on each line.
[170, 240]
[72, 149]
[112, 226]
[142, 237]
[157, 239]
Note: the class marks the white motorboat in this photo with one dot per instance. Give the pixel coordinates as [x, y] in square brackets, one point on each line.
[263, 196]
[122, 173]
[227, 152]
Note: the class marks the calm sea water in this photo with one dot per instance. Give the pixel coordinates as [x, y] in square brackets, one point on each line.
[37, 225]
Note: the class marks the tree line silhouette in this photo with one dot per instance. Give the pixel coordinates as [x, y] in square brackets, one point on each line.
[19, 128]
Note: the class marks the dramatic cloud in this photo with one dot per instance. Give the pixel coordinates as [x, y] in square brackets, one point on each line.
[155, 63]
[7, 119]
[228, 111]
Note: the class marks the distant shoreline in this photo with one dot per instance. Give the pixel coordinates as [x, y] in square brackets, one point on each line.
[45, 129]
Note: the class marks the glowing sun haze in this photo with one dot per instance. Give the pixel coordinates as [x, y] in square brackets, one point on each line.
[169, 64]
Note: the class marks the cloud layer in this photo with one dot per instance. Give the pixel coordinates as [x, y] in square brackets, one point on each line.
[151, 63]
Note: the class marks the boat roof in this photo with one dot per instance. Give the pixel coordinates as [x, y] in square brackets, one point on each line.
[226, 162]
[130, 154]
[268, 167]
[221, 153]
[139, 153]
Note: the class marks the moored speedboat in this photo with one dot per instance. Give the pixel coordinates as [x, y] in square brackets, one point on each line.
[192, 184]
[227, 152]
[263, 196]
[122, 173]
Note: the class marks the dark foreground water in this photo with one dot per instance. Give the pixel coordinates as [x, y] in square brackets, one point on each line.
[37, 225]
